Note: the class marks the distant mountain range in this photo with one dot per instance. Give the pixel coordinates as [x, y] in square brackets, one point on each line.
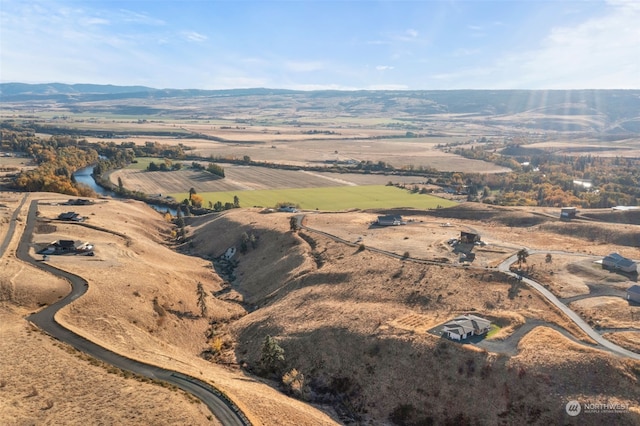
[15, 92]
[615, 111]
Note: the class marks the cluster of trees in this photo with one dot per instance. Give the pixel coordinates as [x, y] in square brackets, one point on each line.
[196, 200]
[247, 239]
[370, 166]
[272, 363]
[57, 158]
[165, 166]
[554, 181]
[215, 169]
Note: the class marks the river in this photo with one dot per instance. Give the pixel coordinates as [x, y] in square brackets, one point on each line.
[85, 176]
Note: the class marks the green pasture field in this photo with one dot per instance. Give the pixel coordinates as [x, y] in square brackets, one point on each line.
[332, 198]
[143, 162]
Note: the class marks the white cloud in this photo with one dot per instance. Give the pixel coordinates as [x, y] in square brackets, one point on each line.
[384, 67]
[412, 33]
[95, 21]
[409, 36]
[139, 18]
[194, 36]
[601, 52]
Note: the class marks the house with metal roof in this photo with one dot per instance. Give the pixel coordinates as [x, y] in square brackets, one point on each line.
[390, 220]
[633, 293]
[619, 263]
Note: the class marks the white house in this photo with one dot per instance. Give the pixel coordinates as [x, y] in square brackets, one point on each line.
[465, 326]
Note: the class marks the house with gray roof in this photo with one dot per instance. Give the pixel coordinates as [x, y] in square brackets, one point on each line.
[390, 220]
[633, 293]
[619, 263]
[465, 326]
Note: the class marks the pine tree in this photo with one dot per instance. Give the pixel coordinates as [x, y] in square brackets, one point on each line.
[202, 299]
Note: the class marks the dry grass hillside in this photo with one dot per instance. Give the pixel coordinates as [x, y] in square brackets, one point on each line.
[354, 322]
[141, 303]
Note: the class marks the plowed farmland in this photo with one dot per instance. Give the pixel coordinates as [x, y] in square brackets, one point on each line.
[243, 178]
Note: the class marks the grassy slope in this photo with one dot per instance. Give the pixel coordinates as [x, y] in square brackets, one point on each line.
[141, 303]
[333, 309]
[332, 198]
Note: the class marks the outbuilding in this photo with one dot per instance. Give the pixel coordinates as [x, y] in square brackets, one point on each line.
[469, 237]
[70, 216]
[390, 220]
[633, 293]
[568, 212]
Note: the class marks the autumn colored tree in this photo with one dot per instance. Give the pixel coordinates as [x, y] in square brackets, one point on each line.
[197, 200]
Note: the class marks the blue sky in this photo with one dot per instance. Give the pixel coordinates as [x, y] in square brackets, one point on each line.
[322, 44]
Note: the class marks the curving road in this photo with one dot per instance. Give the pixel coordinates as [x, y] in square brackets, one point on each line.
[611, 347]
[504, 267]
[219, 404]
[12, 226]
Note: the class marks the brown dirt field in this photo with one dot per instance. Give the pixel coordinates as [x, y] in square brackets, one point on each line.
[568, 275]
[608, 312]
[244, 178]
[397, 152]
[628, 148]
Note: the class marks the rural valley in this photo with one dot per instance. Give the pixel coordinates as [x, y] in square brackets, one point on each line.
[311, 258]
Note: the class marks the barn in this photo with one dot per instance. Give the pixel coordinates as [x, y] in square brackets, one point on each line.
[633, 293]
[390, 220]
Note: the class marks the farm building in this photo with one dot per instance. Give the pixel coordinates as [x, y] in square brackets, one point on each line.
[70, 216]
[619, 263]
[633, 293]
[390, 220]
[465, 326]
[67, 247]
[79, 202]
[469, 237]
[568, 212]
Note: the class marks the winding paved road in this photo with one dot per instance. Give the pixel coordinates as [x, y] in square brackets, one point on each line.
[220, 405]
[504, 267]
[611, 347]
